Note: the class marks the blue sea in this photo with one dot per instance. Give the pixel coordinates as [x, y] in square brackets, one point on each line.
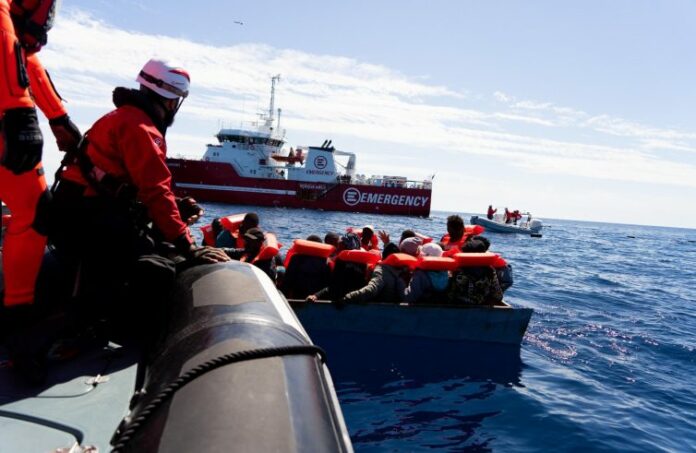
[608, 362]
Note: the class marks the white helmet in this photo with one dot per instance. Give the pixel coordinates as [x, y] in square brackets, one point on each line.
[166, 79]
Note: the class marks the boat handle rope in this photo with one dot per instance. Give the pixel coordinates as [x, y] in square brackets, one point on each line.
[122, 437]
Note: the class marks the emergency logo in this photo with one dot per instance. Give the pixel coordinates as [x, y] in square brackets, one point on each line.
[320, 162]
[351, 196]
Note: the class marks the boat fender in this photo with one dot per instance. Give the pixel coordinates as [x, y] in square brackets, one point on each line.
[269, 249]
[400, 260]
[436, 263]
[475, 259]
[308, 248]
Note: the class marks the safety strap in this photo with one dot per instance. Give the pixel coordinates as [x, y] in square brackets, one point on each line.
[102, 182]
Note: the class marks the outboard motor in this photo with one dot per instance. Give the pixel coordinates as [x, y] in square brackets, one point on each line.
[536, 225]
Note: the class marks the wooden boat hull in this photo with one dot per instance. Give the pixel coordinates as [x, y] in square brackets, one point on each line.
[496, 324]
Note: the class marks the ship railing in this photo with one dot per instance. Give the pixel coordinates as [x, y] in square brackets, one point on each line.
[400, 183]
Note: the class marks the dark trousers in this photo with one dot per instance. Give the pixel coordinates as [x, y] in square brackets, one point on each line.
[120, 275]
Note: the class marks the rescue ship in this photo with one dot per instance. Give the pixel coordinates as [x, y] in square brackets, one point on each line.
[252, 167]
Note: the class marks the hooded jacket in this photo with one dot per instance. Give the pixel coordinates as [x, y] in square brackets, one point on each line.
[385, 285]
[128, 144]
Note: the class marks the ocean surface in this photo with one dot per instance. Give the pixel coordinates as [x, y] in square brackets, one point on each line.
[608, 362]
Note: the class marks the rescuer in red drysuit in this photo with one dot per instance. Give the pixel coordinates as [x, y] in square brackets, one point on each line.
[24, 25]
[113, 187]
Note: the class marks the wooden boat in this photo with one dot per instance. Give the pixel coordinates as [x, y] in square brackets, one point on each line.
[496, 324]
[236, 372]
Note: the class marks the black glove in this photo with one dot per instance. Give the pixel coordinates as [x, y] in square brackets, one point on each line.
[23, 140]
[67, 135]
[189, 210]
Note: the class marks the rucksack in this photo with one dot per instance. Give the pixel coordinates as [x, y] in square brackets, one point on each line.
[475, 286]
[505, 276]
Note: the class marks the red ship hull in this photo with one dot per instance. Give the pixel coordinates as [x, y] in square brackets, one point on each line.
[219, 182]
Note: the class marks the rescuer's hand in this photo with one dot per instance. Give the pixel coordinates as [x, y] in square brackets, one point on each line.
[207, 255]
[189, 210]
[67, 135]
[23, 140]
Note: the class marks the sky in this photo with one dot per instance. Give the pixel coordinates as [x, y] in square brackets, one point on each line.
[572, 111]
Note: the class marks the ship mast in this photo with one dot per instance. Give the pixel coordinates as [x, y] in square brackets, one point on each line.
[271, 107]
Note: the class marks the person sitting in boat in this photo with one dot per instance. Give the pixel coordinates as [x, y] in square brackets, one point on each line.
[491, 212]
[368, 240]
[216, 229]
[475, 286]
[476, 244]
[235, 239]
[306, 274]
[387, 283]
[456, 235]
[332, 238]
[253, 242]
[345, 276]
[425, 285]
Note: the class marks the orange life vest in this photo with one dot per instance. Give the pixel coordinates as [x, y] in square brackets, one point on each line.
[475, 259]
[436, 263]
[400, 260]
[269, 249]
[308, 248]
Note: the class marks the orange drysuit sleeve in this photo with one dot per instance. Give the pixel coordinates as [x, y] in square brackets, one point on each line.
[42, 89]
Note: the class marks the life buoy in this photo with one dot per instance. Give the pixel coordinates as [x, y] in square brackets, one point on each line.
[374, 241]
[359, 256]
[308, 248]
[475, 259]
[436, 263]
[400, 260]
[269, 248]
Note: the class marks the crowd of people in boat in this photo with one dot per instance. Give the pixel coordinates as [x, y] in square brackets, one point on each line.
[363, 265]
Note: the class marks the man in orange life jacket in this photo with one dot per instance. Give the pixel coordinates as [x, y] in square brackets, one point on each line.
[117, 183]
[24, 25]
